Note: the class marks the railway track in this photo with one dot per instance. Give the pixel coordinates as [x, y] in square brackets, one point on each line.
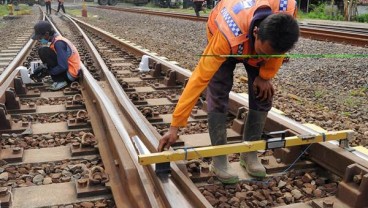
[120, 112]
[348, 35]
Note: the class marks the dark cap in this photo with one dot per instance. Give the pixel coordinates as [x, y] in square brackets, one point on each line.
[41, 28]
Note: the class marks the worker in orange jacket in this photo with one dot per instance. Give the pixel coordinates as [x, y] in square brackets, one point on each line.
[238, 27]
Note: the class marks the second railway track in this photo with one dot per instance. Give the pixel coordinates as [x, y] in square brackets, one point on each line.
[349, 35]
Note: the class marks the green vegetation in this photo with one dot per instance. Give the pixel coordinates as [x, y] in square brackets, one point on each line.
[327, 12]
[362, 18]
[360, 92]
[319, 93]
[75, 12]
[351, 101]
[346, 114]
[24, 10]
[322, 11]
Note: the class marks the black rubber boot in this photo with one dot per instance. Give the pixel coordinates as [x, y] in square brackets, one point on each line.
[253, 132]
[220, 165]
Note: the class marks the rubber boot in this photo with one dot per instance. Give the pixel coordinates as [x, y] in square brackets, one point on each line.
[220, 165]
[252, 132]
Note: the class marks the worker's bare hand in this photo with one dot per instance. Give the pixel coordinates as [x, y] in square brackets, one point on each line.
[168, 139]
[264, 89]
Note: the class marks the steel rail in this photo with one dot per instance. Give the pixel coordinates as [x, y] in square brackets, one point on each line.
[343, 28]
[191, 197]
[19, 58]
[143, 190]
[334, 36]
[135, 197]
[17, 61]
[330, 34]
[99, 98]
[6, 80]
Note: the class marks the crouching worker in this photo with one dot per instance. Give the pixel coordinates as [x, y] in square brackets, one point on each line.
[61, 57]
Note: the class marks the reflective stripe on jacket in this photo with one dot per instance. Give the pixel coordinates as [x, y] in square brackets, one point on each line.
[73, 59]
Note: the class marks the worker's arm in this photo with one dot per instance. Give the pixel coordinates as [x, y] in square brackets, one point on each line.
[262, 83]
[206, 68]
[270, 68]
[63, 52]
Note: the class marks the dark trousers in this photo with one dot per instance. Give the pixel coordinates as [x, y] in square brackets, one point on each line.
[217, 94]
[48, 7]
[49, 57]
[61, 5]
[197, 7]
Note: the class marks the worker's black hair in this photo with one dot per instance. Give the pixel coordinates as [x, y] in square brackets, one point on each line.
[281, 30]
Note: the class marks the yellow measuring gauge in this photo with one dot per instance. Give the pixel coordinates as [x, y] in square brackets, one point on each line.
[190, 153]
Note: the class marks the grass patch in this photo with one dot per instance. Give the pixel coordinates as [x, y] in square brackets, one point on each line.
[322, 11]
[360, 92]
[78, 13]
[346, 114]
[24, 10]
[351, 101]
[319, 93]
[75, 12]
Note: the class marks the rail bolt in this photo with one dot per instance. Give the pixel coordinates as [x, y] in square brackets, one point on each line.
[24, 124]
[82, 114]
[16, 150]
[74, 85]
[88, 139]
[97, 175]
[265, 161]
[76, 145]
[82, 182]
[77, 98]
[134, 96]
[328, 203]
[358, 178]
[4, 191]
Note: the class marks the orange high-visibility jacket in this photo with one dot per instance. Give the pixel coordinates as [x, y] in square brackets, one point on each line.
[228, 34]
[73, 60]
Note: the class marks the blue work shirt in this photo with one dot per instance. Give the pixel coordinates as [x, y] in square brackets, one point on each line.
[63, 52]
